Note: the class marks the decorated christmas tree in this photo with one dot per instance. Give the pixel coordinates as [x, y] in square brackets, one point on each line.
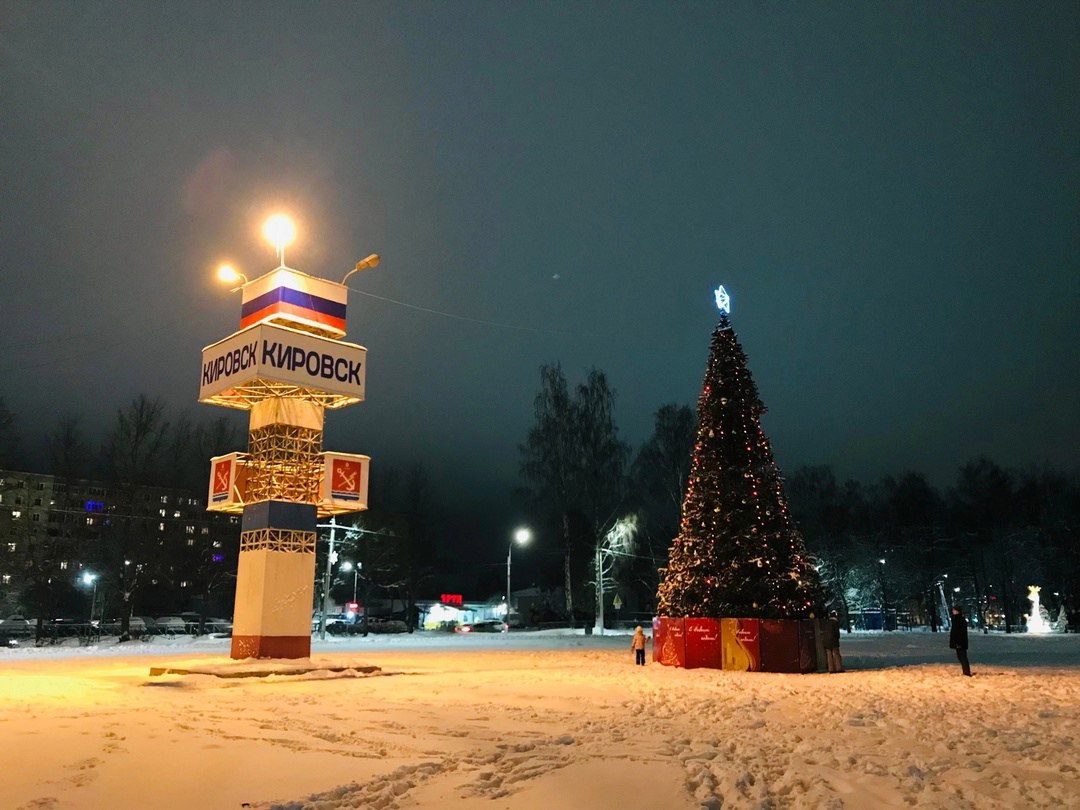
[738, 553]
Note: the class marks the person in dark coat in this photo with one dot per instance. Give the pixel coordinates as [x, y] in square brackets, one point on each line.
[830, 638]
[958, 639]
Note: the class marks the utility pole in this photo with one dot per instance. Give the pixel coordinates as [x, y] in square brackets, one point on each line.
[332, 525]
[599, 629]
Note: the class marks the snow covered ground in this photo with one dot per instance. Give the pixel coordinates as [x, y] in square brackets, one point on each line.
[530, 720]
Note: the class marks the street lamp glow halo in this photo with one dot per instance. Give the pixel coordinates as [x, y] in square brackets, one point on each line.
[89, 578]
[522, 536]
[230, 275]
[280, 231]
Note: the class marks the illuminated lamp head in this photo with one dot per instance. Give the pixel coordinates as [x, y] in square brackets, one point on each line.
[280, 231]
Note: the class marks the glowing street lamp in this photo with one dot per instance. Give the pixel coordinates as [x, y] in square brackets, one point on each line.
[91, 579]
[521, 537]
[347, 567]
[230, 275]
[279, 230]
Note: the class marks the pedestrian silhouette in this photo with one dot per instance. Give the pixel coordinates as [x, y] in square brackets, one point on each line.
[958, 639]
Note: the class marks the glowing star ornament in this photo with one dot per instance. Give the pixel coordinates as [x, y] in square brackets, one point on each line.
[723, 300]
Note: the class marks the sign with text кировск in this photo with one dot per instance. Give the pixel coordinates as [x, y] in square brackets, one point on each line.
[277, 354]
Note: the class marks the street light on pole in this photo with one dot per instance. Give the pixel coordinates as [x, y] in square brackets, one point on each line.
[91, 579]
[521, 537]
[355, 568]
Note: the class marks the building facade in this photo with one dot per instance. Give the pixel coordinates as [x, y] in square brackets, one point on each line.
[69, 544]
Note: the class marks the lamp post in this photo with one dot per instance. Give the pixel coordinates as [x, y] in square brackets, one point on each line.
[331, 558]
[884, 598]
[355, 568]
[521, 537]
[91, 579]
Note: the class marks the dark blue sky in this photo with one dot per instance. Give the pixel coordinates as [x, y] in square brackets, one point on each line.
[889, 192]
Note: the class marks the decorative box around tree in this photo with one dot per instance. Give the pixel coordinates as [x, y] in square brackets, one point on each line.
[743, 645]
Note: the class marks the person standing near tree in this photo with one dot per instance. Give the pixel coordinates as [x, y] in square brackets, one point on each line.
[830, 638]
[637, 644]
[958, 639]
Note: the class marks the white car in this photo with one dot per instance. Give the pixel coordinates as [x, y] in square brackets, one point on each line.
[171, 625]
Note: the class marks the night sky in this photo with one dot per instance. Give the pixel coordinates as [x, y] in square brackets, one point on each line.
[890, 192]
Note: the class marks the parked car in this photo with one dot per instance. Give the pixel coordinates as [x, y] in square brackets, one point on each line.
[136, 626]
[336, 623]
[171, 625]
[490, 626]
[149, 624]
[16, 627]
[380, 625]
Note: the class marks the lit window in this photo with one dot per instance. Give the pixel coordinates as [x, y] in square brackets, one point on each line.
[191, 541]
[189, 529]
[164, 498]
[63, 565]
[176, 514]
[183, 583]
[89, 521]
[161, 527]
[217, 544]
[205, 530]
[161, 512]
[11, 547]
[7, 579]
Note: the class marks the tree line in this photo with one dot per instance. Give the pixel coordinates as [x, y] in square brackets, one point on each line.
[898, 545]
[903, 544]
[615, 510]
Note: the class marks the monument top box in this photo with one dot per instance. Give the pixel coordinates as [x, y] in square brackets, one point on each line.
[287, 297]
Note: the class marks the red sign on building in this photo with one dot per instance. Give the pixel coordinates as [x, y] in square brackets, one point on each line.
[451, 599]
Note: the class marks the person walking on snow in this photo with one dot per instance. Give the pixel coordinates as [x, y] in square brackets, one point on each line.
[637, 644]
[830, 638]
[958, 639]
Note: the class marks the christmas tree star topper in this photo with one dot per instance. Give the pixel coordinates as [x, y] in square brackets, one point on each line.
[723, 300]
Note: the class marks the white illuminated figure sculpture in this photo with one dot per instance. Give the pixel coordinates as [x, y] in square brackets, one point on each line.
[723, 300]
[1036, 622]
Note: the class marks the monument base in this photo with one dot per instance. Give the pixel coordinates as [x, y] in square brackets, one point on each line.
[744, 645]
[270, 647]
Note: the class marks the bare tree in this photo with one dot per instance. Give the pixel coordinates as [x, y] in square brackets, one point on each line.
[134, 451]
[550, 461]
[658, 484]
[134, 448]
[601, 469]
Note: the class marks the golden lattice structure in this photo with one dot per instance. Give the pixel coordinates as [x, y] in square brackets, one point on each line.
[285, 463]
[278, 540]
[243, 397]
